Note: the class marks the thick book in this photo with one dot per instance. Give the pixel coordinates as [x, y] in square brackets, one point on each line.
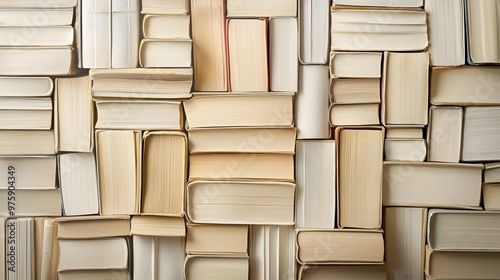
[96, 33]
[352, 271]
[355, 91]
[31, 203]
[47, 248]
[39, 16]
[339, 246]
[211, 239]
[173, 7]
[37, 4]
[26, 86]
[28, 172]
[283, 61]
[405, 238]
[240, 202]
[158, 226]
[125, 25]
[404, 133]
[37, 61]
[91, 227]
[169, 53]
[315, 175]
[482, 32]
[405, 31]
[26, 113]
[405, 149]
[381, 3]
[492, 172]
[481, 134]
[27, 142]
[361, 114]
[313, 31]
[261, 8]
[444, 133]
[20, 248]
[45, 36]
[166, 26]
[491, 196]
[201, 267]
[432, 184]
[355, 64]
[359, 177]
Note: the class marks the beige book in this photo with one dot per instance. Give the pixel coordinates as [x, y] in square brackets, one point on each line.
[483, 31]
[164, 173]
[37, 4]
[86, 254]
[311, 103]
[49, 250]
[173, 7]
[45, 36]
[404, 133]
[242, 140]
[492, 172]
[359, 180]
[491, 196]
[354, 114]
[166, 27]
[3, 246]
[405, 149]
[272, 252]
[446, 32]
[209, 47]
[353, 272]
[24, 173]
[240, 202]
[174, 53]
[355, 64]
[444, 133]
[199, 267]
[96, 32]
[313, 31]
[463, 230]
[239, 110]
[405, 89]
[154, 83]
[119, 171]
[211, 239]
[481, 134]
[39, 237]
[88, 227]
[26, 142]
[234, 166]
[363, 90]
[248, 53]
[383, 3]
[26, 86]
[125, 29]
[262, 8]
[466, 85]
[26, 113]
[32, 203]
[461, 265]
[405, 237]
[74, 115]
[432, 184]
[20, 248]
[339, 246]
[139, 114]
[283, 60]
[102, 274]
[157, 226]
[405, 29]
[37, 61]
[37, 16]
[78, 182]
[315, 204]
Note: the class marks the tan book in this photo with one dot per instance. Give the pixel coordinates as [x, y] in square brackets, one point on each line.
[466, 85]
[403, 133]
[209, 47]
[119, 171]
[405, 89]
[74, 115]
[463, 230]
[406, 31]
[37, 61]
[239, 110]
[315, 205]
[20, 248]
[210, 239]
[139, 114]
[234, 166]
[87, 227]
[355, 64]
[482, 31]
[339, 246]
[242, 140]
[354, 114]
[174, 53]
[26, 86]
[354, 272]
[359, 180]
[115, 274]
[26, 113]
[25, 173]
[481, 134]
[262, 8]
[444, 133]
[313, 31]
[199, 267]
[405, 149]
[492, 172]
[174, 7]
[405, 237]
[164, 173]
[491, 196]
[240, 202]
[432, 184]
[446, 32]
[283, 63]
[461, 265]
[363, 90]
[247, 47]
[158, 257]
[157, 226]
[166, 27]
[154, 83]
[32, 203]
[26, 142]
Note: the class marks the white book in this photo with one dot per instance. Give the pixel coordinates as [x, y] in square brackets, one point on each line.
[44, 36]
[314, 31]
[26, 86]
[26, 113]
[125, 33]
[283, 60]
[96, 33]
[36, 17]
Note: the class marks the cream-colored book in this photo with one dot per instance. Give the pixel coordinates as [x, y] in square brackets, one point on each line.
[405, 92]
[432, 184]
[169, 53]
[37, 4]
[354, 114]
[492, 172]
[404, 133]
[240, 202]
[28, 173]
[115, 274]
[201, 267]
[27, 142]
[353, 271]
[74, 115]
[90, 227]
[3, 247]
[405, 238]
[119, 159]
[49, 249]
[355, 64]
[125, 24]
[248, 54]
[166, 27]
[481, 134]
[26, 86]
[261, 8]
[313, 31]
[157, 226]
[383, 3]
[32, 203]
[37, 61]
[172, 7]
[491, 196]
[283, 60]
[21, 245]
[38, 16]
[96, 33]
[444, 133]
[405, 149]
[483, 31]
[45, 36]
[211, 239]
[362, 90]
[26, 113]
[359, 180]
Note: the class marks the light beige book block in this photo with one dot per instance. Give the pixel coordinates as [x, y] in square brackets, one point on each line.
[157, 226]
[27, 142]
[283, 60]
[173, 7]
[481, 134]
[199, 267]
[353, 271]
[169, 53]
[26, 86]
[26, 113]
[90, 227]
[491, 196]
[355, 114]
[492, 172]
[405, 149]
[262, 8]
[313, 31]
[211, 239]
[483, 31]
[166, 27]
[355, 64]
[32, 203]
[25, 173]
[444, 133]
